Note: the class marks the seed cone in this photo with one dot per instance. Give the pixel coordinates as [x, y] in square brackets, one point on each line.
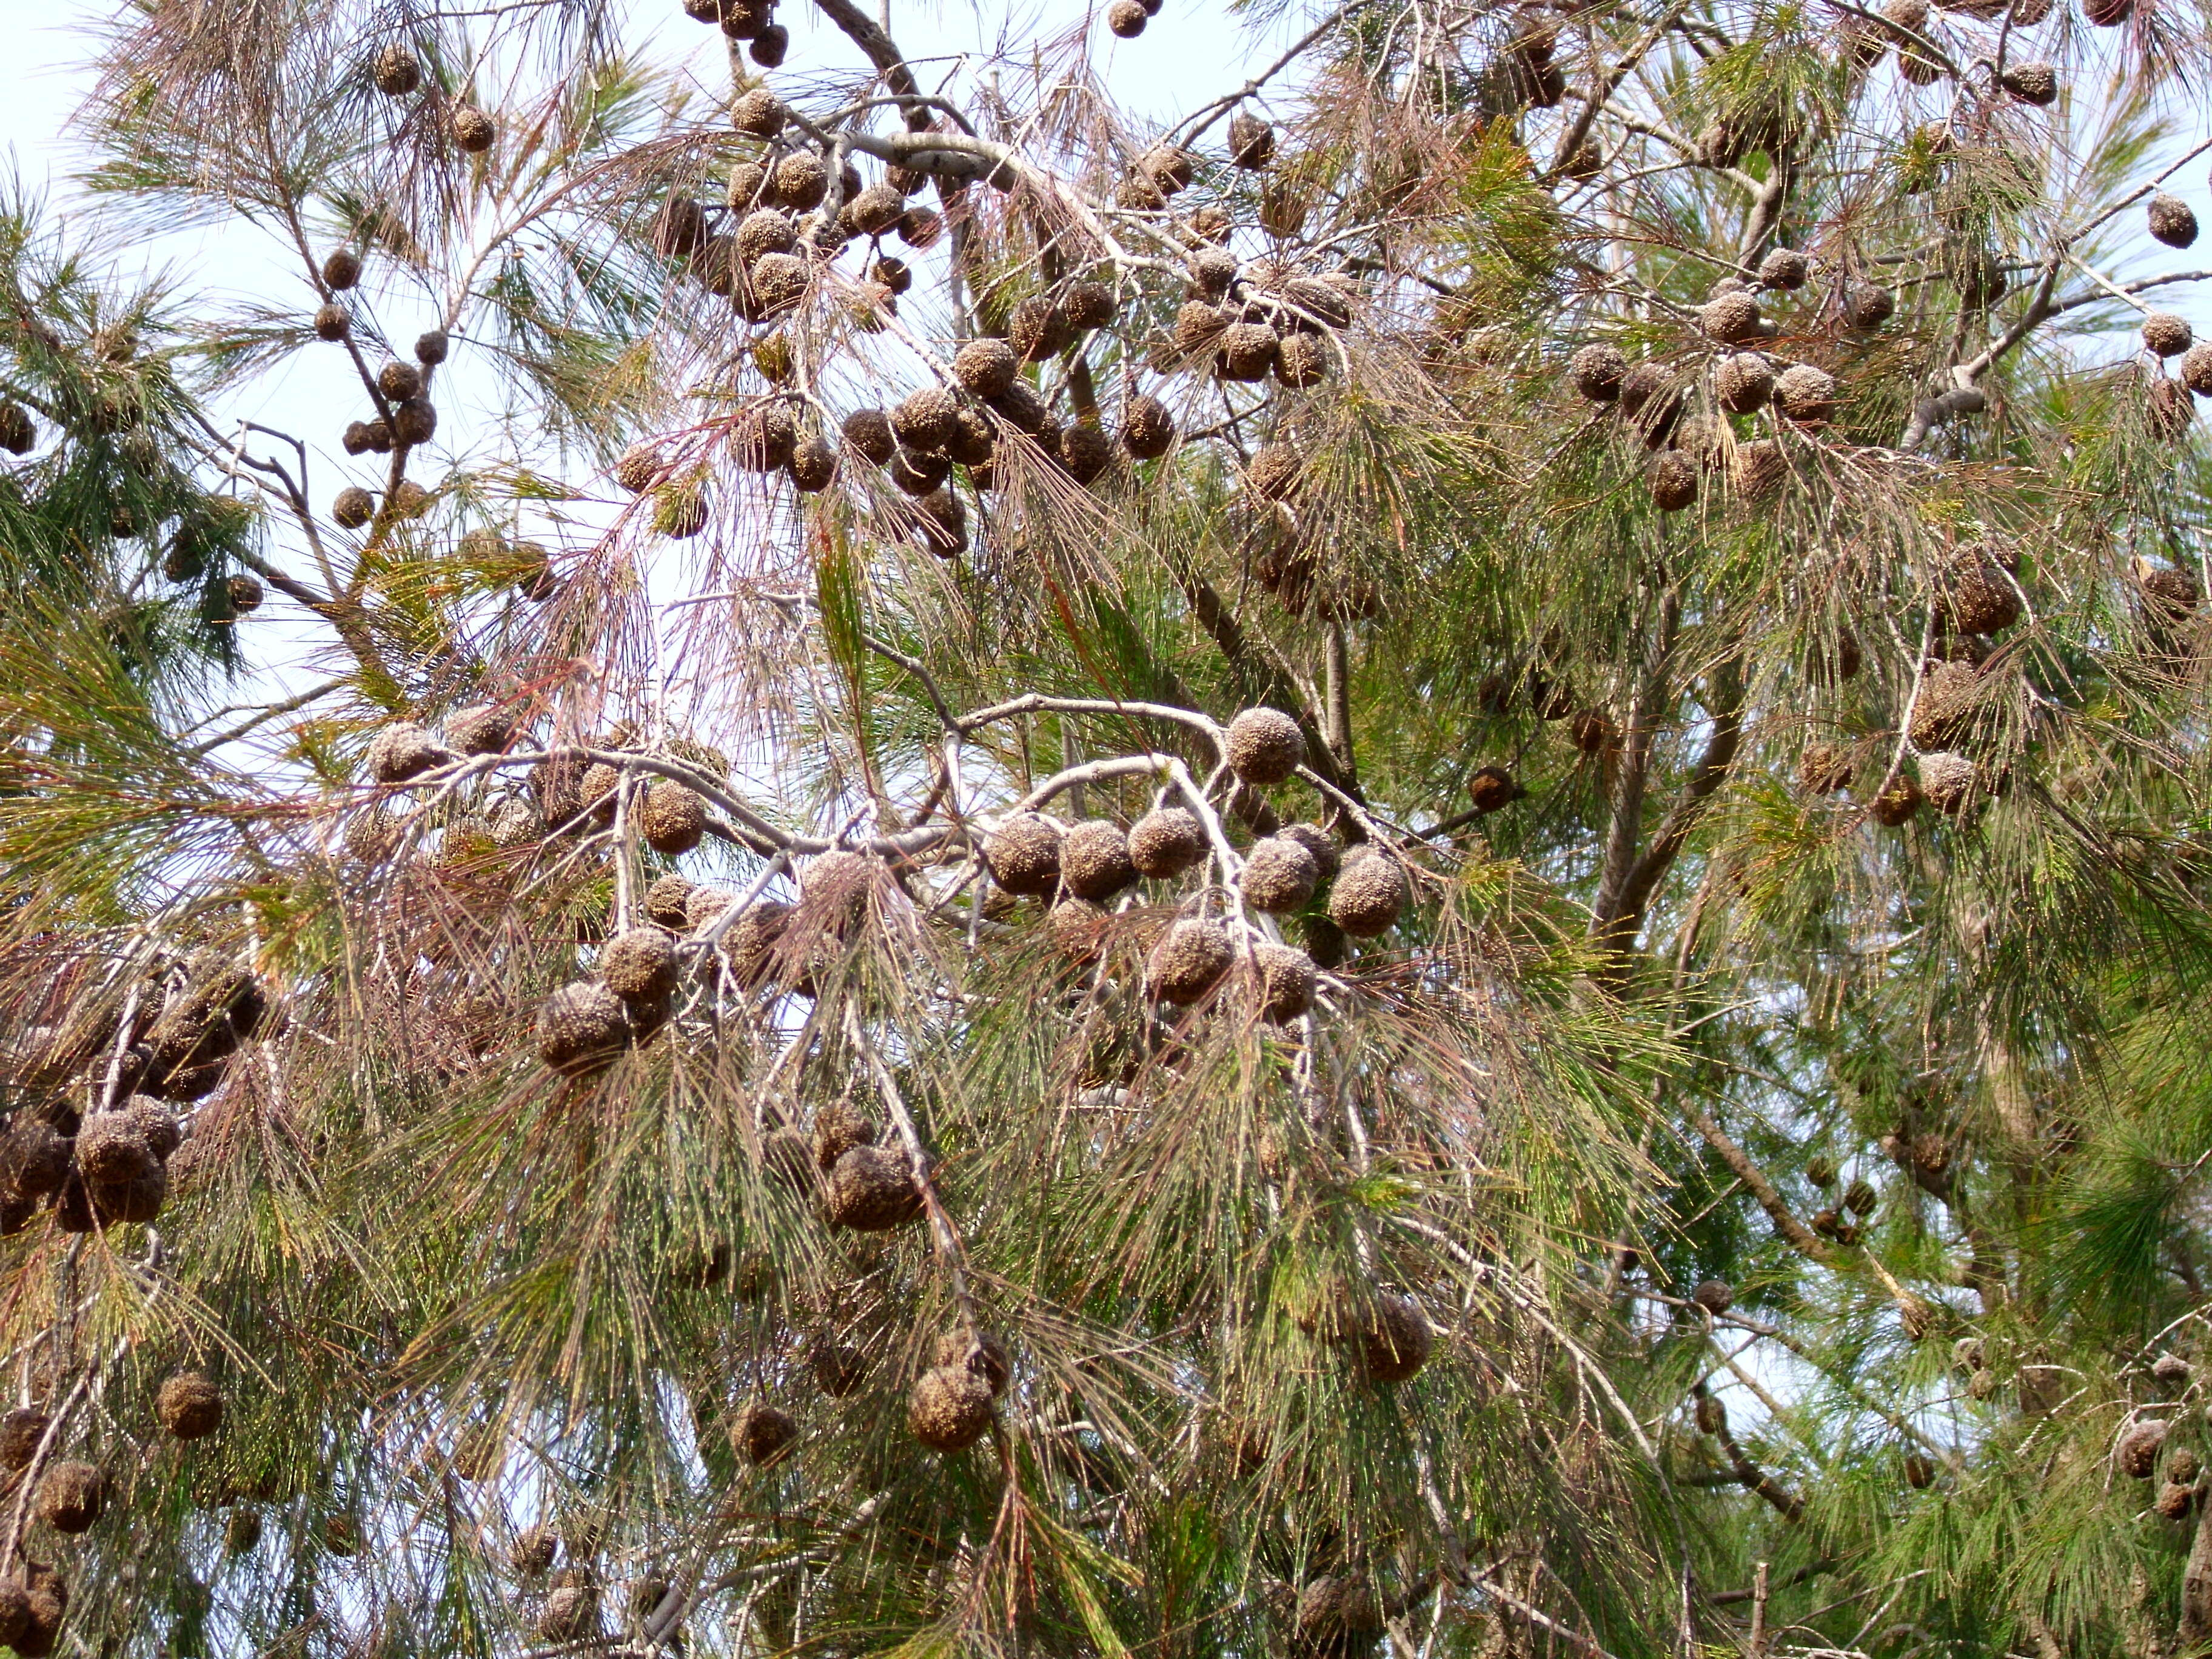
[1279, 875]
[2172, 220]
[1784, 268]
[762, 1434]
[979, 1352]
[2168, 409]
[812, 465]
[1085, 452]
[759, 113]
[111, 1151]
[1165, 843]
[155, 1122]
[1128, 18]
[672, 818]
[1020, 407]
[1265, 746]
[1653, 402]
[48, 1596]
[973, 440]
[1198, 325]
[1076, 928]
[639, 964]
[2170, 594]
[667, 901]
[1148, 431]
[1085, 305]
[874, 211]
[582, 1028]
[1094, 859]
[869, 431]
[34, 1157]
[395, 72]
[837, 1367]
[1189, 961]
[482, 730]
[1805, 394]
[1743, 382]
[837, 1129]
[923, 422]
[1393, 1339]
[986, 368]
[1023, 855]
[872, 1190]
[2165, 334]
[472, 130]
[2139, 1449]
[1213, 272]
[1975, 594]
[1868, 305]
[2031, 83]
[1272, 472]
[1246, 352]
[2196, 369]
[1251, 141]
[1944, 711]
[1301, 361]
[123, 1202]
[949, 1408]
[1824, 768]
[532, 1552]
[1674, 482]
[18, 434]
[1334, 1614]
[402, 750]
[72, 1497]
[1948, 781]
[1731, 317]
[1369, 895]
[1287, 981]
[918, 473]
[571, 1614]
[21, 1430]
[190, 1404]
[1493, 788]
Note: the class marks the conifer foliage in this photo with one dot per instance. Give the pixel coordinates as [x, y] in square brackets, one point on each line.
[1415, 868]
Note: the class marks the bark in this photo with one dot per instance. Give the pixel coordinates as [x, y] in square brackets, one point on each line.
[1754, 1179]
[1626, 893]
[2197, 1589]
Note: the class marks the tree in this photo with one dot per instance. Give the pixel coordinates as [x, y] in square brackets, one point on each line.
[1421, 865]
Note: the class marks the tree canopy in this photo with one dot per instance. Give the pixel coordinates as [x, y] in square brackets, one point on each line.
[1418, 868]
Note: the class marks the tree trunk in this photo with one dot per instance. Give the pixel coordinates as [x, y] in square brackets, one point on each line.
[2196, 1591]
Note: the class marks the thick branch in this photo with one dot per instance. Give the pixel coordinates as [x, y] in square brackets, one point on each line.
[1749, 1474]
[1755, 1183]
[1621, 920]
[881, 51]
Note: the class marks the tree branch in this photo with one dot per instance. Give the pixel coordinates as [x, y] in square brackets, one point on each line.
[1754, 1179]
[1621, 924]
[1749, 1474]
